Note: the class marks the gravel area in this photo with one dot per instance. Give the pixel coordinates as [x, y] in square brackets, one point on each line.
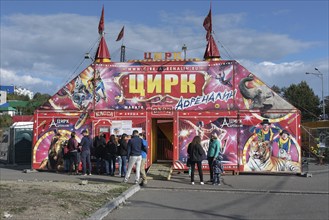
[55, 200]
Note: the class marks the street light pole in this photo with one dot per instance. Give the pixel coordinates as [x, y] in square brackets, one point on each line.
[320, 75]
[184, 48]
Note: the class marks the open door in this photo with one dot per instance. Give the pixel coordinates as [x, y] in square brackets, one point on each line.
[162, 139]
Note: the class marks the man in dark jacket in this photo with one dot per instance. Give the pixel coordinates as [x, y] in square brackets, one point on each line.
[99, 151]
[86, 145]
[135, 147]
[123, 153]
[73, 146]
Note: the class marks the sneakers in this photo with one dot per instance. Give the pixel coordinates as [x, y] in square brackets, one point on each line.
[136, 182]
[192, 183]
[202, 183]
[89, 174]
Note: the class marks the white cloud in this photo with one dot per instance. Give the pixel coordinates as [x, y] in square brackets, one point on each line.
[9, 77]
[250, 44]
[49, 48]
[279, 69]
[286, 73]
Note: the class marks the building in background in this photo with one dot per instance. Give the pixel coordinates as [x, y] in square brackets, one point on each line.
[9, 89]
[3, 97]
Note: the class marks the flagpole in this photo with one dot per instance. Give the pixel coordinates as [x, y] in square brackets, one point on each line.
[123, 53]
[123, 48]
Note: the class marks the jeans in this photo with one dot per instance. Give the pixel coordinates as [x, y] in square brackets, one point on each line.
[119, 164]
[85, 158]
[113, 160]
[99, 165]
[66, 164]
[210, 160]
[110, 165]
[123, 165]
[132, 161]
[74, 161]
[216, 179]
[107, 167]
[199, 170]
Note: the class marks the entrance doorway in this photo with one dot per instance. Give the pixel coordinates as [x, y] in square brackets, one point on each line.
[162, 139]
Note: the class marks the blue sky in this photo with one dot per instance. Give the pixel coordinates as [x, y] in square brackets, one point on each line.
[43, 42]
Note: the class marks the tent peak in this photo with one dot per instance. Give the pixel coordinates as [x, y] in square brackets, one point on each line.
[102, 53]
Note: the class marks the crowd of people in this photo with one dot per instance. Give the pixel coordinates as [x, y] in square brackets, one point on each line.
[131, 151]
[126, 151]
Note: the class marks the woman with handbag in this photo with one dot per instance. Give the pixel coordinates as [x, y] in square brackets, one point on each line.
[195, 154]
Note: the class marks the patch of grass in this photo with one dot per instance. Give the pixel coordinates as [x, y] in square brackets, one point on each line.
[84, 213]
[61, 194]
[35, 190]
[64, 206]
[118, 190]
[4, 186]
[44, 192]
[17, 209]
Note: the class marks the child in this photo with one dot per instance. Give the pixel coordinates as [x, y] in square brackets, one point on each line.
[217, 169]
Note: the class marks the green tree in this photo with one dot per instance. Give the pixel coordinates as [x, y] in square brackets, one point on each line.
[15, 96]
[41, 97]
[303, 98]
[37, 100]
[277, 90]
[5, 121]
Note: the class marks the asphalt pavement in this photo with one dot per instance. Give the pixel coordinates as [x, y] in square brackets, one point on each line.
[245, 196]
[238, 197]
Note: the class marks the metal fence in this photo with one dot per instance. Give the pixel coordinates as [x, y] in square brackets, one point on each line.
[315, 140]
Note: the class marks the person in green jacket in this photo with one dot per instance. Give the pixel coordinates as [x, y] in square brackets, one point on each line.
[213, 151]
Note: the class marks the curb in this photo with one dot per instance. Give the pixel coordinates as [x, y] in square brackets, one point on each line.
[108, 207]
[319, 171]
[241, 190]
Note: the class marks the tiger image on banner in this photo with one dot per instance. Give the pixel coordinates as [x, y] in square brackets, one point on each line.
[261, 159]
[54, 160]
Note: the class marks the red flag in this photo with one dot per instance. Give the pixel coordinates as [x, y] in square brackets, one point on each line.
[101, 23]
[120, 36]
[207, 24]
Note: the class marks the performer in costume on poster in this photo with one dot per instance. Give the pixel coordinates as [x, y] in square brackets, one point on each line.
[284, 144]
[265, 130]
[222, 79]
[201, 131]
[99, 84]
